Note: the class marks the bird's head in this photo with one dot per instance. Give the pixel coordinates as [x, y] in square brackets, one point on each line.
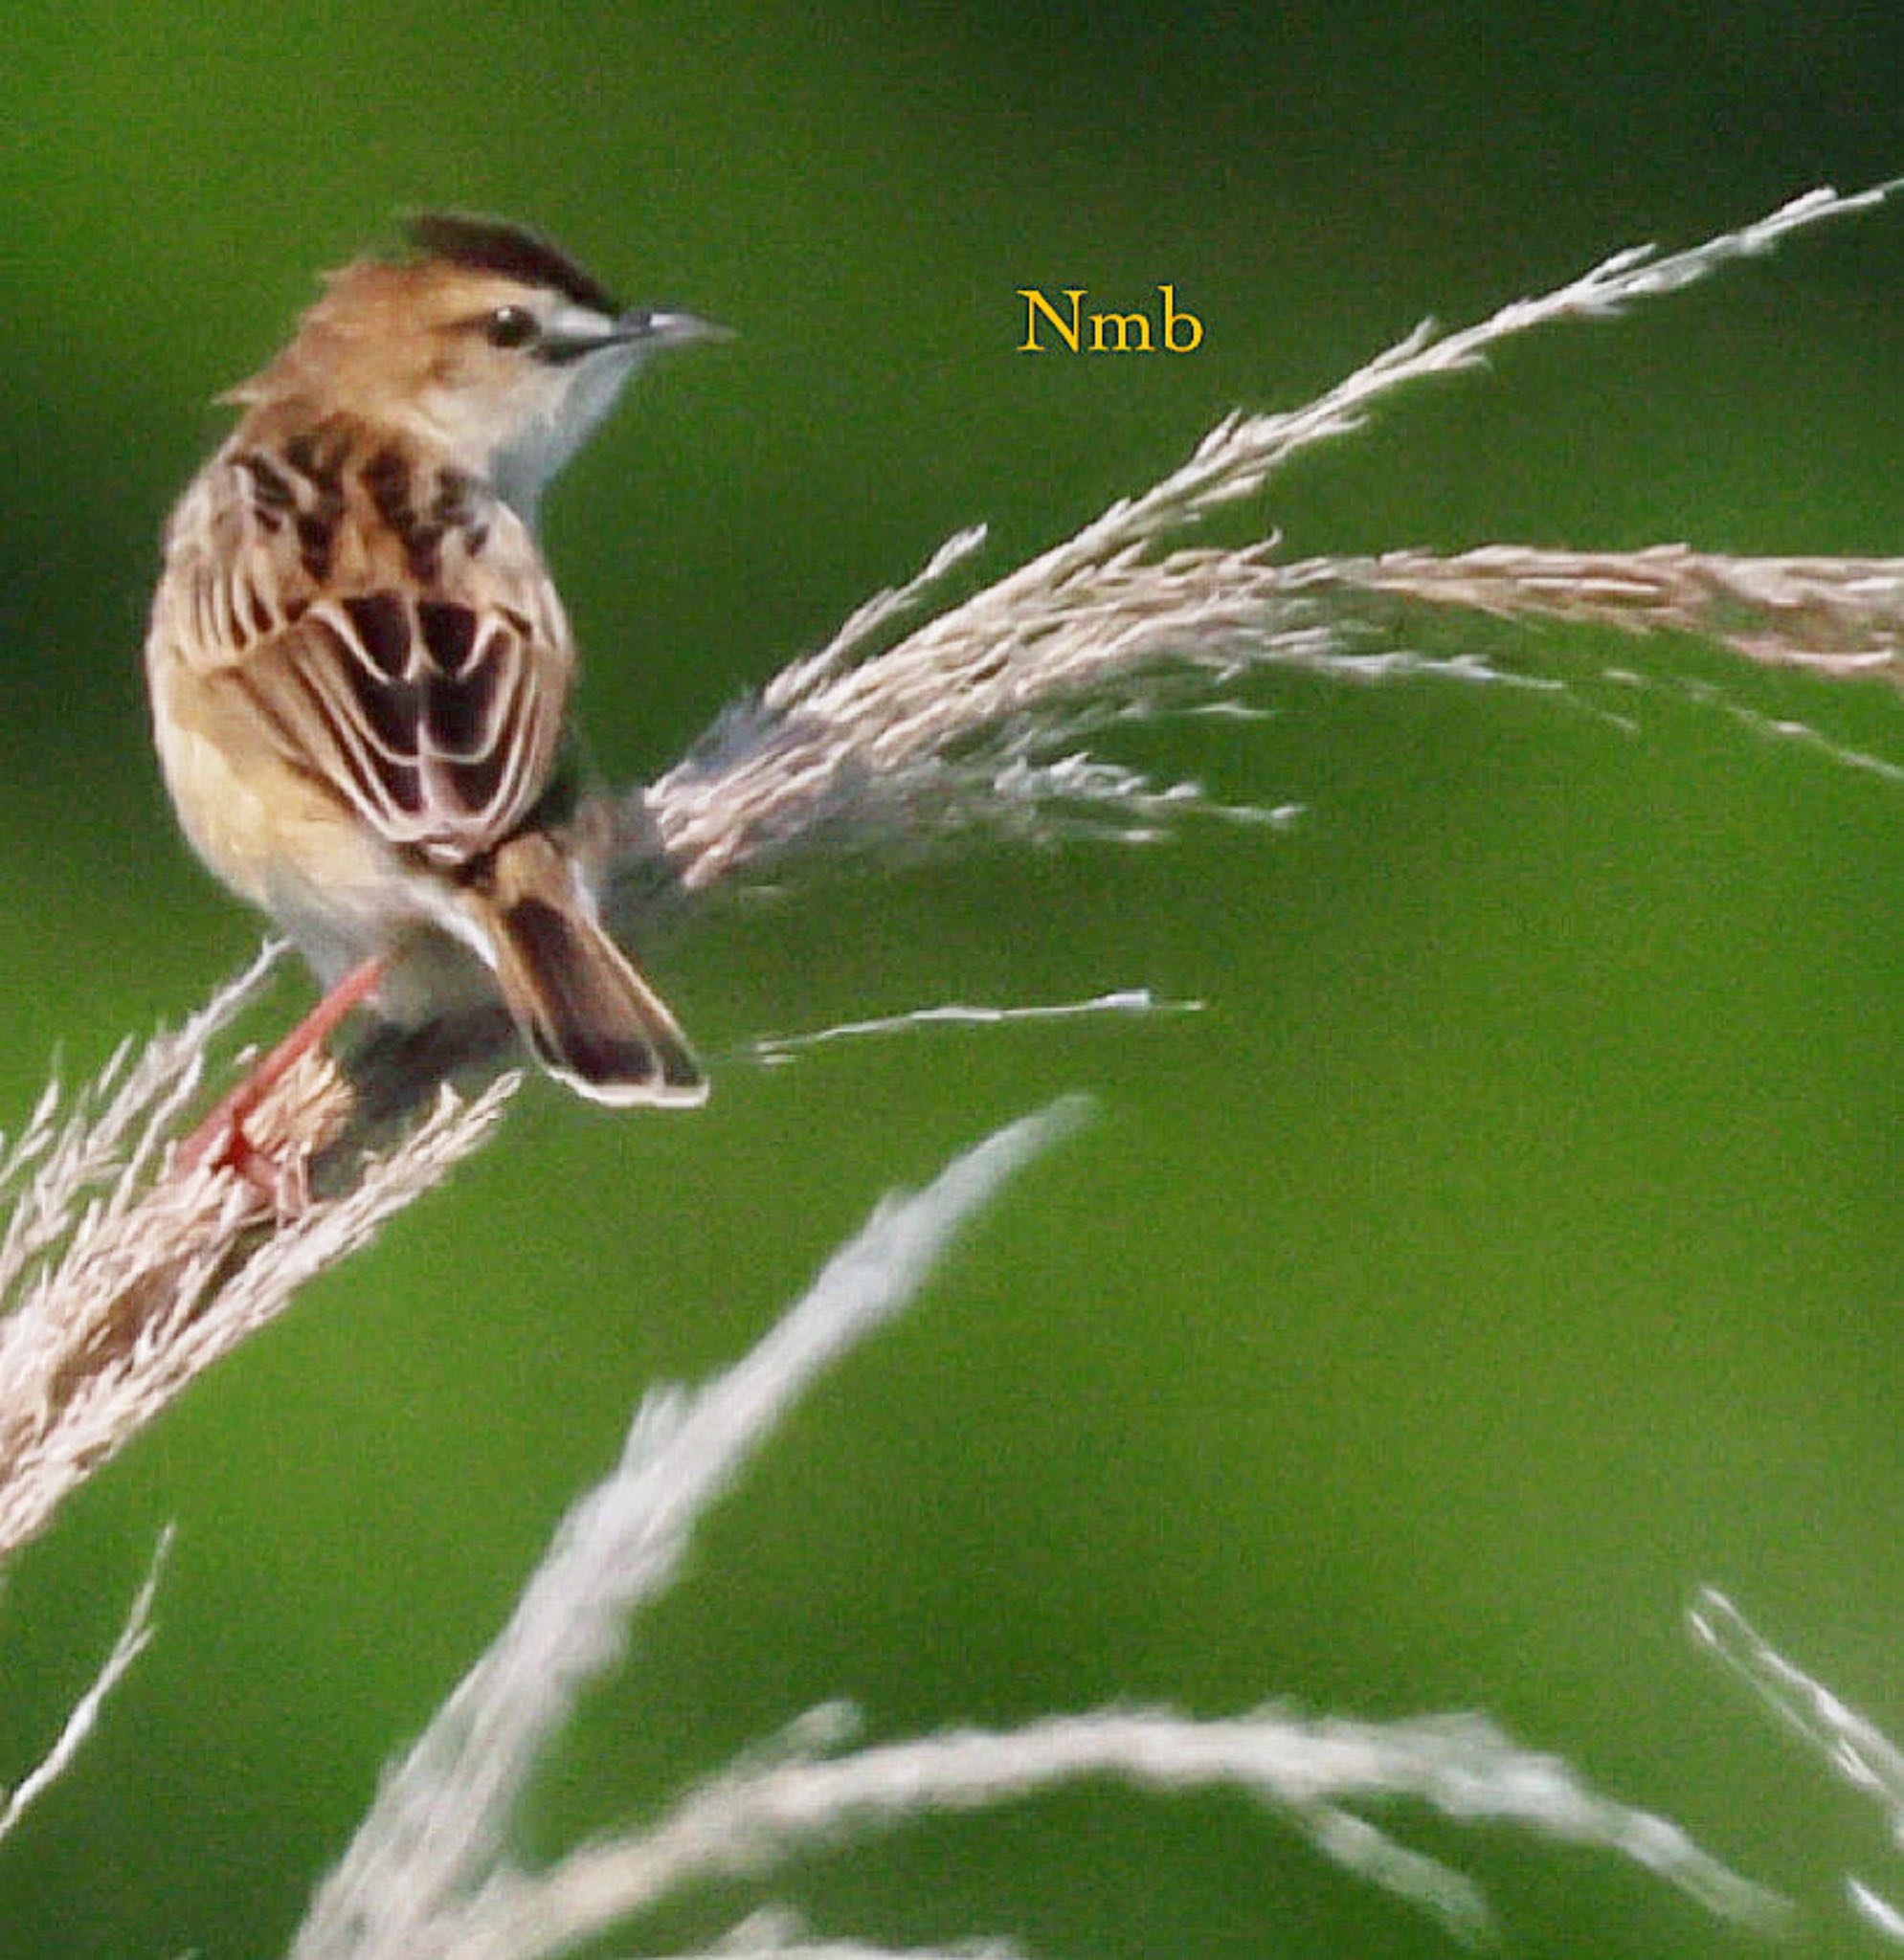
[487, 343]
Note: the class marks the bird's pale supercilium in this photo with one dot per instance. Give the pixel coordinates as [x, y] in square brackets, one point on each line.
[360, 667]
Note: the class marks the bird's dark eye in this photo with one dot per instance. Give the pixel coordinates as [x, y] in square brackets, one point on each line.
[510, 326]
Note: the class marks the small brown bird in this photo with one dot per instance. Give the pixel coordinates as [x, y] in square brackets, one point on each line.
[360, 667]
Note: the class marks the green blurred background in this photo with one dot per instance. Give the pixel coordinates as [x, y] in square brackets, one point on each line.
[1510, 1247]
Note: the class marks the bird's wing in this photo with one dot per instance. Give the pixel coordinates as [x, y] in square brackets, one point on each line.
[435, 719]
[432, 706]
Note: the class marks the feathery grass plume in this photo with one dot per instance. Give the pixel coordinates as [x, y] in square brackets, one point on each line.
[1841, 619]
[776, 1933]
[1852, 1746]
[435, 1839]
[1310, 1771]
[121, 1281]
[773, 1050]
[127, 1279]
[974, 716]
[133, 1635]
[429, 1876]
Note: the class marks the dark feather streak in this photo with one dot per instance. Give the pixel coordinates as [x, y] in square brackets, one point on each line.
[479, 783]
[315, 537]
[494, 245]
[382, 626]
[268, 485]
[449, 631]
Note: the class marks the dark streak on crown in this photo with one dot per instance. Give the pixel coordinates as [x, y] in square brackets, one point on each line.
[493, 245]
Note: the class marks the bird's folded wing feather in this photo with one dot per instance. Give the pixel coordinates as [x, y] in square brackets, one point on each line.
[432, 706]
[436, 720]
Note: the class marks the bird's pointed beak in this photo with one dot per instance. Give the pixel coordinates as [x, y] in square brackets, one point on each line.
[668, 329]
[573, 334]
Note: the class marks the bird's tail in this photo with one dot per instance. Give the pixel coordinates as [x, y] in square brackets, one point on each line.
[591, 1018]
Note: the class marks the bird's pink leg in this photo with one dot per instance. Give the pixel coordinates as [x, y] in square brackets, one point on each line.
[220, 1140]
